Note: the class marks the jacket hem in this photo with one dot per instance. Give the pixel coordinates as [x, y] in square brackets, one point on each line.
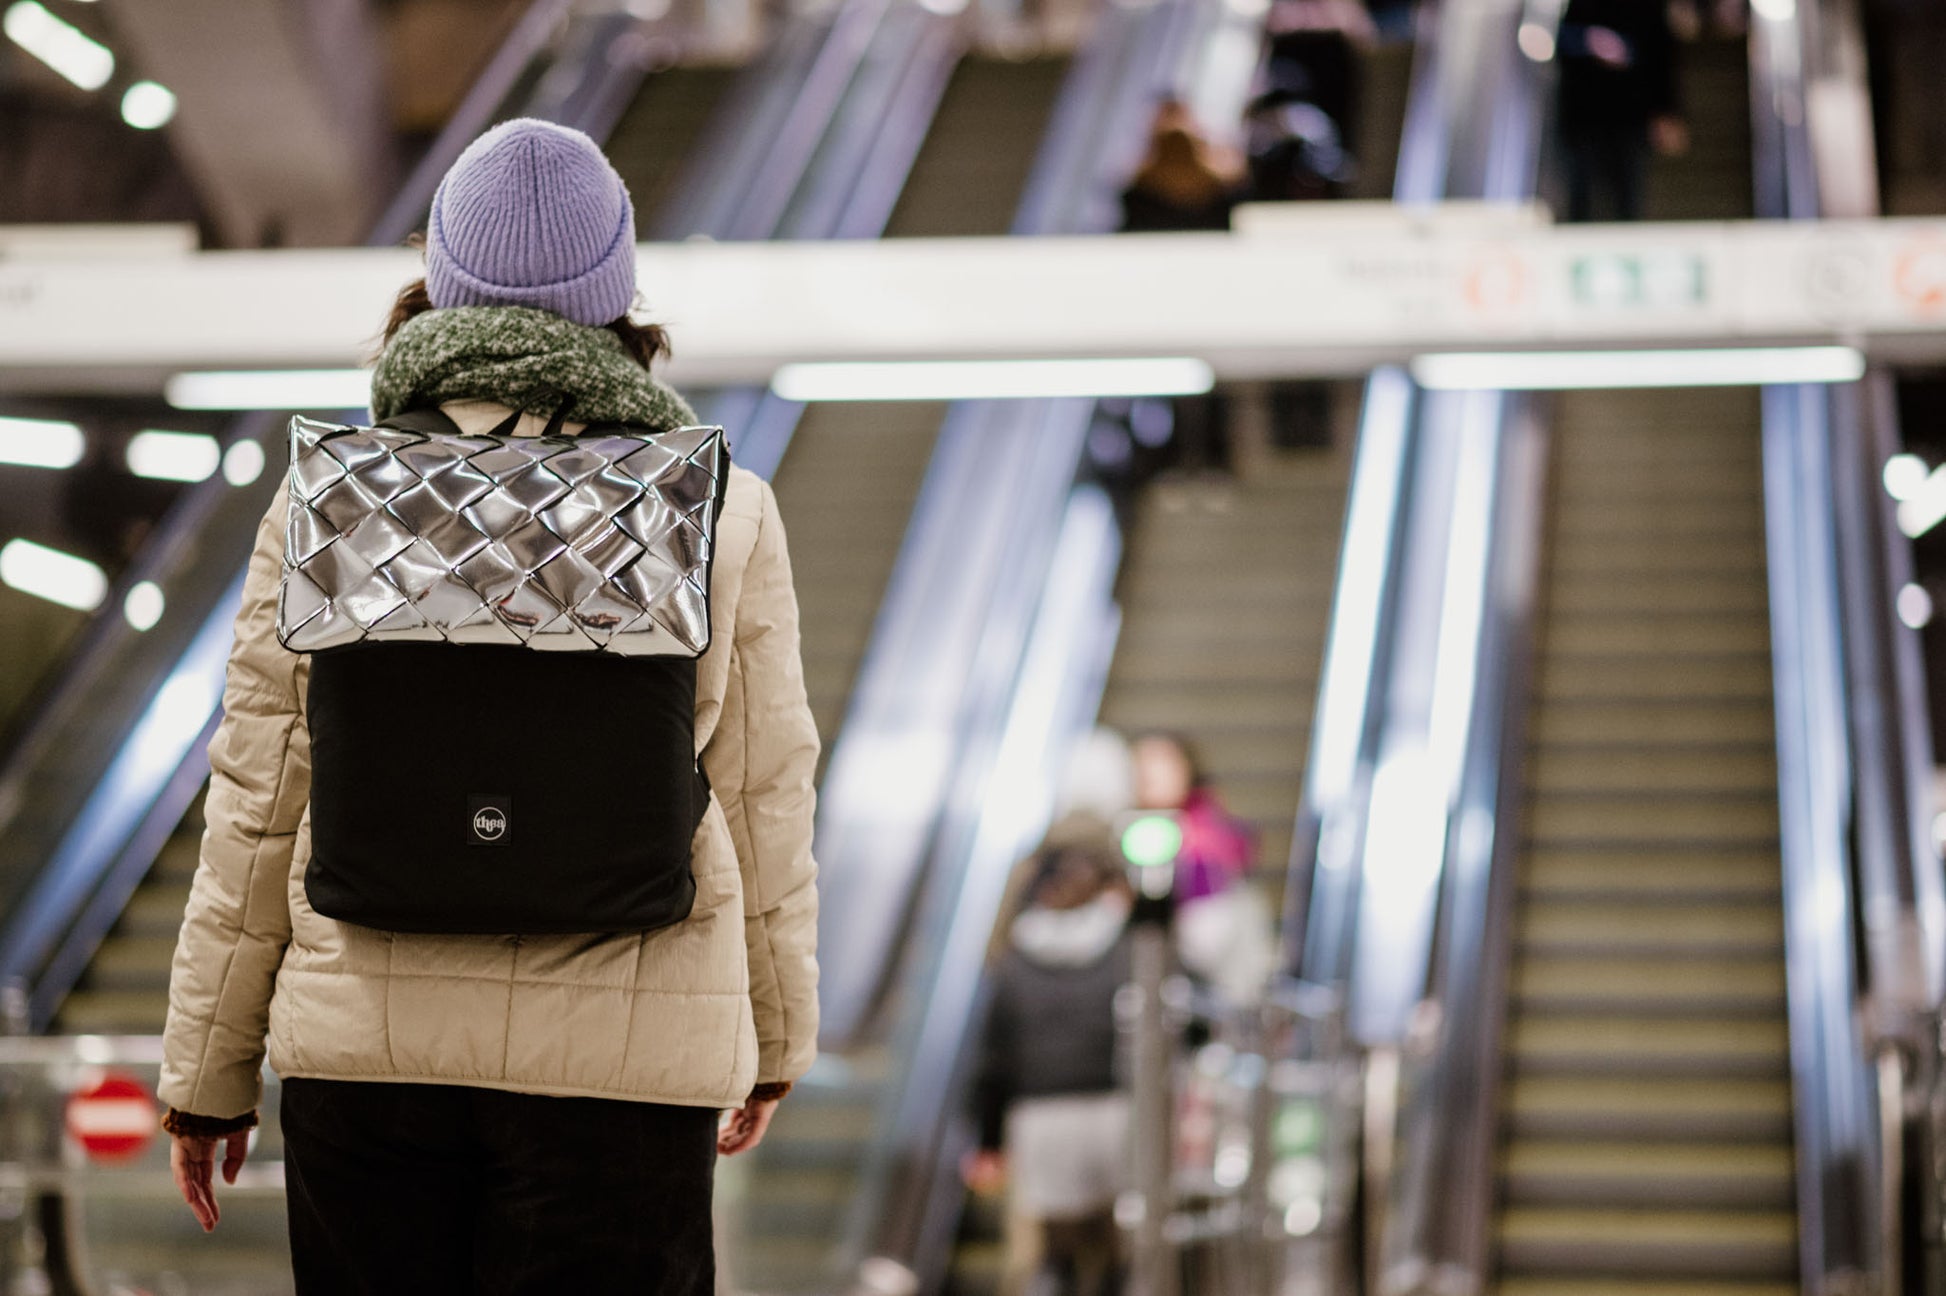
[721, 1102]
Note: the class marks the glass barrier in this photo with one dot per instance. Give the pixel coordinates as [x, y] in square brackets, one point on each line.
[1265, 1109]
[87, 1203]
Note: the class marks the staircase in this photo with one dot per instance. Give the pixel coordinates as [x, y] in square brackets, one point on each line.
[1646, 1104]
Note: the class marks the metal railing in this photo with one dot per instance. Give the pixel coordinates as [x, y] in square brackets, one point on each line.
[1398, 893]
[1865, 918]
[88, 1206]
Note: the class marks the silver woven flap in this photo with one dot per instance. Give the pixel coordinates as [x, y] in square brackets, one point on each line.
[579, 544]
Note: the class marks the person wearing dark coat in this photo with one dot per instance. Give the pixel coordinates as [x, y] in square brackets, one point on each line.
[1053, 1122]
[1617, 98]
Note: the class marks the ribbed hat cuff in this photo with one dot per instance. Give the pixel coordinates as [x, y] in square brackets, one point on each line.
[599, 295]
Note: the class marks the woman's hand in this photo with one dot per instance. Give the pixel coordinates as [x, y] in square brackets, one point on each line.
[193, 1161]
[744, 1128]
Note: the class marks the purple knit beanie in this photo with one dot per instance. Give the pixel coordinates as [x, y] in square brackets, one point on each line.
[532, 215]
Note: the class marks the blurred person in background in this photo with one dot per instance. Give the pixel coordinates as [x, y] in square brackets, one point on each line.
[1617, 101]
[1186, 181]
[1223, 929]
[1296, 153]
[1053, 1121]
[502, 1114]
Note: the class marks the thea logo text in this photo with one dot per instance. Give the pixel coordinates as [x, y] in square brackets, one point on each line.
[489, 824]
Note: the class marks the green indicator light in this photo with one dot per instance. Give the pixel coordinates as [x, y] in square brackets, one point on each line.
[1299, 1128]
[1152, 840]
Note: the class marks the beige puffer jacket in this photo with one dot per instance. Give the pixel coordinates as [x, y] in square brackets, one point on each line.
[695, 1014]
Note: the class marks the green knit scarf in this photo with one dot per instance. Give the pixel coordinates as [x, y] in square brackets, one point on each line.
[526, 359]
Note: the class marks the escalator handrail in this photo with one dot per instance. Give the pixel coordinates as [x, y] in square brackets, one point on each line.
[1445, 512]
[1862, 884]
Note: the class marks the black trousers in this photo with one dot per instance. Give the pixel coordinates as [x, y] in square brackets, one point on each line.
[432, 1190]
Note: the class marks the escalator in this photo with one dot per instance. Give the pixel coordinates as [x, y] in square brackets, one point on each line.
[845, 490]
[1646, 1099]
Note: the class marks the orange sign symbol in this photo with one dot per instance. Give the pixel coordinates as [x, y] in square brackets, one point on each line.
[1919, 274]
[1495, 282]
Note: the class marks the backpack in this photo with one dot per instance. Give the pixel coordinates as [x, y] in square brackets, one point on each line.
[503, 635]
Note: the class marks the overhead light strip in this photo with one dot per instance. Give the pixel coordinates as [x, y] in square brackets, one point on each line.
[173, 456]
[59, 44]
[41, 443]
[270, 389]
[1578, 370]
[946, 380]
[53, 575]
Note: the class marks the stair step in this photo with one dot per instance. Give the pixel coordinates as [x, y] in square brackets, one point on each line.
[1618, 929]
[132, 963]
[1705, 818]
[1649, 720]
[1682, 874]
[1665, 677]
[1602, 1244]
[1569, 1285]
[1591, 768]
[114, 1012]
[1600, 630]
[1648, 1046]
[1648, 1108]
[1691, 1175]
[1571, 985]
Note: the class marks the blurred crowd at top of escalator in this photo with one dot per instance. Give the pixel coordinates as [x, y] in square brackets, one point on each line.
[1617, 104]
[1296, 130]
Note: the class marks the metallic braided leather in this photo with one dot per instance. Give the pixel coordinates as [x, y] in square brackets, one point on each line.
[577, 544]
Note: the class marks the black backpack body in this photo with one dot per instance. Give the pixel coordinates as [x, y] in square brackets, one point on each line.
[497, 789]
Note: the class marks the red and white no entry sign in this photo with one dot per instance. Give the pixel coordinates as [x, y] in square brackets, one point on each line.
[111, 1116]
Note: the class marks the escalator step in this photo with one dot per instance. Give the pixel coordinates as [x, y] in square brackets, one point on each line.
[1705, 818]
[1611, 1047]
[1647, 720]
[1573, 1286]
[1720, 1111]
[1613, 1243]
[1684, 1175]
[1575, 929]
[1589, 986]
[1737, 768]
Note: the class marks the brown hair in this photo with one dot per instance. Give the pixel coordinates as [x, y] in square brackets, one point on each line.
[645, 343]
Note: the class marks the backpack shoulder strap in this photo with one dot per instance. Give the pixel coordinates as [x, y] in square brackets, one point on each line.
[430, 421]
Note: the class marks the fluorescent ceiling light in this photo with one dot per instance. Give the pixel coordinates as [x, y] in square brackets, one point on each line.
[270, 389]
[143, 604]
[1573, 370]
[1535, 41]
[940, 380]
[1915, 606]
[148, 106]
[1905, 476]
[50, 574]
[173, 456]
[1925, 508]
[243, 463]
[41, 443]
[62, 46]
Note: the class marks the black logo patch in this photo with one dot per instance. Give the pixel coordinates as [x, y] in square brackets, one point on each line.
[489, 819]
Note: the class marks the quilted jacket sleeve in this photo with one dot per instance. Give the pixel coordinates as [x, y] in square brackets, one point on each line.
[238, 920]
[771, 821]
